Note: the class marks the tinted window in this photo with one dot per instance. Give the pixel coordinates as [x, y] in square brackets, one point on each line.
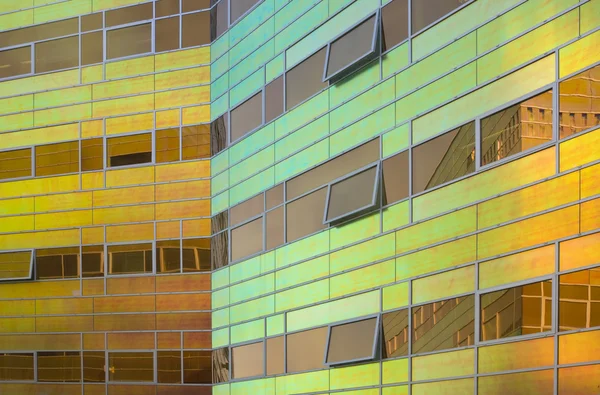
[305, 215]
[61, 158]
[219, 247]
[240, 7]
[91, 22]
[195, 29]
[166, 34]
[305, 79]
[15, 62]
[246, 210]
[122, 16]
[16, 367]
[274, 196]
[92, 48]
[246, 117]
[168, 258]
[129, 150]
[130, 366]
[197, 367]
[40, 32]
[579, 300]
[196, 255]
[275, 355]
[352, 194]
[167, 145]
[275, 229]
[352, 341]
[57, 263]
[15, 265]
[58, 367]
[195, 142]
[92, 154]
[425, 12]
[92, 261]
[274, 99]
[57, 54]
[168, 366]
[218, 19]
[395, 178]
[394, 22]
[129, 41]
[580, 102]
[305, 350]
[248, 360]
[15, 164]
[93, 366]
[219, 222]
[166, 7]
[130, 258]
[247, 239]
[395, 334]
[351, 47]
[195, 5]
[220, 365]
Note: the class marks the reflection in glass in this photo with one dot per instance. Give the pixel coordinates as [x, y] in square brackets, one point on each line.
[195, 142]
[16, 367]
[15, 265]
[130, 258]
[196, 255]
[167, 145]
[579, 102]
[394, 22]
[579, 294]
[248, 360]
[305, 350]
[92, 261]
[197, 367]
[130, 366]
[93, 366]
[61, 158]
[58, 366]
[168, 367]
[57, 263]
[129, 150]
[218, 133]
[352, 341]
[395, 334]
[168, 259]
[220, 365]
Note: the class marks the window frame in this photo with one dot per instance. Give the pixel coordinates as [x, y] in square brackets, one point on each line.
[105, 31]
[31, 60]
[79, 264]
[31, 265]
[108, 259]
[351, 321]
[32, 160]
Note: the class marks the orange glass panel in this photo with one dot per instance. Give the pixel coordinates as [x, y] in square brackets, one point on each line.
[196, 255]
[539, 382]
[93, 287]
[94, 367]
[125, 322]
[183, 283]
[64, 324]
[63, 306]
[168, 230]
[195, 142]
[196, 227]
[93, 341]
[167, 145]
[183, 302]
[59, 366]
[182, 171]
[62, 158]
[131, 366]
[578, 347]
[123, 304]
[130, 341]
[183, 321]
[16, 367]
[15, 164]
[590, 215]
[169, 340]
[92, 157]
[197, 340]
[93, 389]
[580, 380]
[130, 285]
[168, 256]
[40, 342]
[579, 304]
[136, 232]
[129, 258]
[186, 209]
[92, 261]
[183, 190]
[581, 251]
[131, 389]
[527, 354]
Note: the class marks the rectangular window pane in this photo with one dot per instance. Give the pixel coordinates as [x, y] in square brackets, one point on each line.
[167, 34]
[169, 367]
[122, 16]
[517, 128]
[246, 210]
[196, 255]
[353, 194]
[240, 7]
[579, 305]
[129, 150]
[515, 311]
[195, 5]
[61, 158]
[195, 29]
[580, 102]
[425, 12]
[305, 79]
[167, 145]
[197, 367]
[57, 263]
[220, 365]
[275, 355]
[16, 367]
[40, 32]
[395, 178]
[92, 154]
[129, 41]
[92, 22]
[275, 233]
[168, 258]
[15, 62]
[443, 325]
[15, 265]
[58, 367]
[394, 23]
[351, 47]
[15, 164]
[166, 7]
[395, 334]
[93, 366]
[352, 341]
[57, 54]
[218, 134]
[247, 239]
[305, 215]
[196, 142]
[131, 366]
[248, 360]
[246, 117]
[218, 19]
[92, 261]
[92, 47]
[220, 250]
[130, 258]
[274, 196]
[444, 158]
[274, 99]
[305, 350]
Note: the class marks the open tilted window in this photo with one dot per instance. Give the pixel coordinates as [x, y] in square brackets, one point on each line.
[352, 342]
[16, 265]
[352, 50]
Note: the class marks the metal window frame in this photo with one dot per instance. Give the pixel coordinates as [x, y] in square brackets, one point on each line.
[31, 266]
[106, 30]
[108, 259]
[330, 327]
[146, 351]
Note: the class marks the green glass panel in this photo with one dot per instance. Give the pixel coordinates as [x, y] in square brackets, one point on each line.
[302, 138]
[302, 114]
[395, 140]
[61, 10]
[219, 106]
[354, 231]
[590, 16]
[317, 291]
[303, 272]
[395, 60]
[302, 249]
[247, 88]
[252, 288]
[219, 67]
[219, 203]
[220, 338]
[301, 26]
[220, 298]
[252, 309]
[220, 183]
[351, 85]
[354, 376]
[280, 3]
[248, 331]
[252, 41]
[221, 389]
[252, 186]
[291, 12]
[220, 278]
[396, 216]
[274, 68]
[373, 250]
[275, 324]
[220, 318]
[395, 296]
[337, 5]
[219, 162]
[253, 164]
[219, 47]
[252, 267]
[264, 386]
[301, 161]
[255, 60]
[252, 143]
[362, 279]
[251, 21]
[302, 383]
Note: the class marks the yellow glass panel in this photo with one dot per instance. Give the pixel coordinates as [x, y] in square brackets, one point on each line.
[68, 201]
[15, 164]
[358, 280]
[168, 230]
[92, 74]
[580, 380]
[72, 113]
[40, 136]
[395, 371]
[397, 390]
[124, 304]
[39, 186]
[517, 267]
[195, 208]
[354, 376]
[183, 190]
[539, 382]
[182, 97]
[17, 307]
[92, 235]
[62, 10]
[527, 354]
[180, 59]
[197, 114]
[182, 171]
[578, 347]
[196, 227]
[128, 86]
[136, 232]
[17, 206]
[580, 252]
[92, 129]
[92, 180]
[167, 145]
[140, 175]
[590, 181]
[17, 19]
[395, 296]
[590, 215]
[64, 324]
[396, 216]
[62, 97]
[41, 342]
[443, 365]
[17, 224]
[39, 239]
[61, 158]
[134, 104]
[63, 220]
[130, 123]
[579, 151]
[113, 197]
[450, 387]
[16, 104]
[442, 285]
[167, 118]
[126, 68]
[579, 55]
[532, 231]
[16, 325]
[181, 78]
[124, 214]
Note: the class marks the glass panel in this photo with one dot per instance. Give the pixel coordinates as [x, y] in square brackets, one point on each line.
[445, 158]
[394, 23]
[395, 334]
[93, 366]
[443, 325]
[517, 128]
[579, 294]
[195, 5]
[196, 255]
[58, 367]
[247, 239]
[579, 102]
[92, 48]
[246, 210]
[129, 150]
[219, 222]
[166, 7]
[41, 32]
[168, 258]
[425, 12]
[515, 311]
[275, 355]
[57, 54]
[352, 194]
[352, 341]
[62, 158]
[195, 29]
[15, 265]
[130, 258]
[246, 117]
[220, 365]
[15, 62]
[167, 34]
[240, 7]
[218, 134]
[351, 47]
[305, 79]
[17, 367]
[305, 215]
[197, 367]
[122, 16]
[274, 196]
[169, 367]
[395, 178]
[57, 263]
[275, 234]
[305, 350]
[92, 261]
[130, 366]
[248, 360]
[196, 142]
[219, 247]
[91, 22]
[129, 41]
[274, 99]
[92, 154]
[167, 145]
[15, 164]
[218, 19]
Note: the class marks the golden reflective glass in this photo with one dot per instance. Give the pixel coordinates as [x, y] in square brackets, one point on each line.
[92, 48]
[247, 360]
[16, 367]
[129, 41]
[196, 255]
[131, 366]
[394, 327]
[516, 311]
[15, 164]
[276, 355]
[168, 259]
[352, 341]
[129, 150]
[246, 210]
[220, 365]
[15, 265]
[247, 239]
[579, 102]
[195, 142]
[195, 29]
[61, 158]
[168, 367]
[579, 303]
[93, 367]
[355, 193]
[130, 258]
[57, 263]
[218, 133]
[14, 62]
[219, 222]
[92, 154]
[305, 79]
[92, 22]
[92, 261]
[197, 367]
[124, 15]
[304, 216]
[395, 178]
[167, 145]
[166, 34]
[57, 54]
[59, 366]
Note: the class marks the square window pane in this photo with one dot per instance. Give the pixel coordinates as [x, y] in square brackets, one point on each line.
[167, 145]
[15, 265]
[131, 366]
[195, 29]
[351, 47]
[129, 41]
[248, 360]
[14, 62]
[352, 341]
[218, 134]
[129, 150]
[61, 158]
[15, 164]
[305, 79]
[58, 367]
[353, 194]
[196, 142]
[57, 54]
[395, 334]
[246, 117]
[196, 255]
[16, 367]
[57, 263]
[130, 258]
[579, 102]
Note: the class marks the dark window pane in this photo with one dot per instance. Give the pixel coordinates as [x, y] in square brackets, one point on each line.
[41, 32]
[57, 54]
[195, 5]
[167, 145]
[61, 158]
[129, 150]
[305, 350]
[15, 265]
[129, 41]
[305, 215]
[168, 367]
[130, 366]
[580, 102]
[274, 99]
[274, 196]
[395, 334]
[305, 79]
[92, 261]
[197, 367]
[514, 312]
[219, 248]
[579, 294]
[93, 366]
[195, 29]
[352, 341]
[275, 228]
[166, 7]
[218, 19]
[16, 367]
[58, 367]
[92, 48]
[196, 255]
[220, 365]
[425, 12]
[15, 164]
[443, 325]
[168, 259]
[247, 239]
[92, 154]
[219, 222]
[135, 13]
[15, 62]
[130, 258]
[394, 22]
[196, 142]
[218, 134]
[352, 194]
[240, 7]
[517, 128]
[351, 47]
[445, 158]
[395, 178]
[248, 360]
[275, 355]
[56, 263]
[167, 34]
[246, 210]
[246, 117]
[91, 22]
